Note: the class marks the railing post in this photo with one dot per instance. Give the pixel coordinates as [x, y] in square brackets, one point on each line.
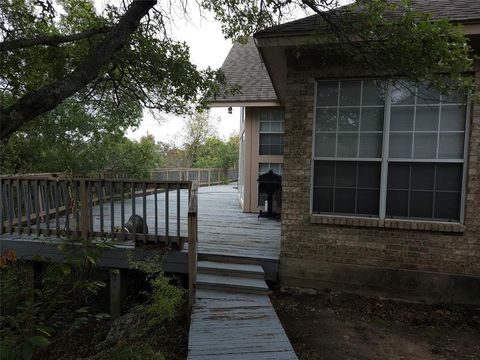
[84, 218]
[192, 243]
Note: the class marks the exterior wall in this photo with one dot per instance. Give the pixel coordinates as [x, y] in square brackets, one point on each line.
[423, 260]
[252, 158]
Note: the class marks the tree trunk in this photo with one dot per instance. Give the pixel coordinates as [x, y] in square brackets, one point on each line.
[49, 96]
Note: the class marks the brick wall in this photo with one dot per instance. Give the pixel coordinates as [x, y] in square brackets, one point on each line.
[332, 252]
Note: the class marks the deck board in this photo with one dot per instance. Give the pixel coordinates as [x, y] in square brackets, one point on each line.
[237, 326]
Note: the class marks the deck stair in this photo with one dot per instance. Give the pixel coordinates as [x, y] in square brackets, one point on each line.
[233, 277]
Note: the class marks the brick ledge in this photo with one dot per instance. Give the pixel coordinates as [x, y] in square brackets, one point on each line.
[387, 223]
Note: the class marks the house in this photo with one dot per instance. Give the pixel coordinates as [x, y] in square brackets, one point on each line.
[380, 189]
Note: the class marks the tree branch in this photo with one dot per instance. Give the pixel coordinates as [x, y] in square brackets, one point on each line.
[49, 96]
[51, 40]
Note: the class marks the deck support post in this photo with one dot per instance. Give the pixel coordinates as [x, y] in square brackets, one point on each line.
[117, 291]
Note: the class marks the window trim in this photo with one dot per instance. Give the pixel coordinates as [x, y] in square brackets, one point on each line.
[271, 132]
[385, 160]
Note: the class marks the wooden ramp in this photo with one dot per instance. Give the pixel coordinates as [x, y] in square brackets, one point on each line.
[233, 317]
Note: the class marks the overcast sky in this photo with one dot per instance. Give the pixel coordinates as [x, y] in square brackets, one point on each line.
[208, 47]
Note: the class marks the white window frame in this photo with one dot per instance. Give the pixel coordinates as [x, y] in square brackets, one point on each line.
[385, 157]
[282, 132]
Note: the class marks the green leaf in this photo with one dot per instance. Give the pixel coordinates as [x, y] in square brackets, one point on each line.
[27, 351]
[38, 340]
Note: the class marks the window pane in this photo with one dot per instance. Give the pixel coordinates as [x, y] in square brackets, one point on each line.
[397, 203]
[422, 176]
[400, 145]
[447, 206]
[453, 118]
[326, 120]
[451, 145]
[367, 202]
[276, 139]
[276, 126]
[427, 118]
[350, 92]
[347, 145]
[327, 93]
[372, 119]
[369, 175]
[323, 200]
[427, 95]
[324, 173]
[325, 144]
[276, 115]
[344, 201]
[275, 150]
[346, 174]
[348, 119]
[264, 150]
[370, 145]
[421, 204]
[373, 92]
[403, 93]
[264, 126]
[398, 176]
[425, 146]
[401, 118]
[449, 177]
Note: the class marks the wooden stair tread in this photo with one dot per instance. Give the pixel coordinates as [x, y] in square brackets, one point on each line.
[221, 267]
[231, 282]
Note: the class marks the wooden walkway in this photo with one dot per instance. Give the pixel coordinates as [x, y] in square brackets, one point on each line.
[233, 317]
[234, 326]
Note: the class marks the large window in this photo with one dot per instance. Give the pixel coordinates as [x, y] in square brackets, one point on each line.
[388, 150]
[271, 132]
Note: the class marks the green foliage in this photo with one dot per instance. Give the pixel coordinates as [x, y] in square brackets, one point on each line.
[217, 153]
[166, 299]
[90, 148]
[63, 297]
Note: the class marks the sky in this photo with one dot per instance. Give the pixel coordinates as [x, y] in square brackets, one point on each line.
[208, 47]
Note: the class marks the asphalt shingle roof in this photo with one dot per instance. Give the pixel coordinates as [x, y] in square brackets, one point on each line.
[454, 10]
[243, 67]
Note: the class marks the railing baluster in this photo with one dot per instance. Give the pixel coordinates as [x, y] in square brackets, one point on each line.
[28, 208]
[77, 212]
[2, 199]
[37, 208]
[90, 191]
[100, 199]
[156, 213]
[122, 209]
[67, 208]
[47, 210]
[19, 206]
[112, 211]
[57, 206]
[167, 224]
[144, 198]
[178, 214]
[133, 213]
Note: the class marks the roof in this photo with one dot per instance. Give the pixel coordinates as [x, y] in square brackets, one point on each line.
[462, 11]
[243, 67]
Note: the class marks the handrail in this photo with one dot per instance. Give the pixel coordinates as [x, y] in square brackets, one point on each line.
[83, 208]
[204, 176]
[192, 242]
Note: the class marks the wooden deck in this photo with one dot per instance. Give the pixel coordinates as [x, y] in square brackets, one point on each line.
[224, 229]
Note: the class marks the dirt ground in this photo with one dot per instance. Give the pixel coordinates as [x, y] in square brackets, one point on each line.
[331, 325]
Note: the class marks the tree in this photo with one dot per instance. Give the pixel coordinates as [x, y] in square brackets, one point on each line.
[217, 153]
[69, 51]
[197, 129]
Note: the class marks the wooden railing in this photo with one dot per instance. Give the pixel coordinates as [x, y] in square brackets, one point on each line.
[95, 208]
[204, 177]
[192, 243]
